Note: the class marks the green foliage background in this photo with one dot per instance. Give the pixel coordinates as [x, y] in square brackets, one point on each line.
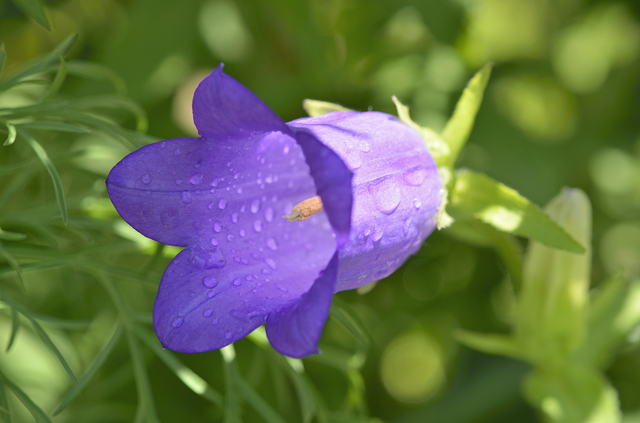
[562, 108]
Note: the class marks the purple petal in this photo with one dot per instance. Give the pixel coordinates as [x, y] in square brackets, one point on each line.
[396, 187]
[295, 329]
[223, 108]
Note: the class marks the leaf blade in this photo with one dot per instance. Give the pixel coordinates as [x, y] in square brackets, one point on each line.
[35, 10]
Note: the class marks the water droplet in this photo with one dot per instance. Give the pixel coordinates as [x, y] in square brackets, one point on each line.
[377, 234]
[186, 197]
[386, 195]
[229, 237]
[207, 312]
[177, 152]
[415, 177]
[268, 179]
[354, 160]
[243, 233]
[237, 282]
[215, 182]
[148, 192]
[282, 288]
[217, 226]
[268, 214]
[417, 203]
[222, 204]
[197, 165]
[209, 282]
[257, 225]
[178, 181]
[215, 322]
[146, 179]
[234, 217]
[255, 206]
[177, 322]
[210, 205]
[239, 190]
[228, 335]
[211, 294]
[266, 271]
[236, 259]
[286, 149]
[196, 178]
[271, 263]
[272, 244]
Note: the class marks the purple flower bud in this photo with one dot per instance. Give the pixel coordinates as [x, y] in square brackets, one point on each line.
[223, 196]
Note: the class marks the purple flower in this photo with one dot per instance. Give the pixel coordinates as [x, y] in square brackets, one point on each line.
[223, 195]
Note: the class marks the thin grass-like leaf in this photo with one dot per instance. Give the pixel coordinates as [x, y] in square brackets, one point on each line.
[11, 236]
[93, 369]
[307, 404]
[40, 65]
[97, 71]
[11, 136]
[143, 386]
[53, 126]
[35, 10]
[6, 169]
[341, 312]
[231, 400]
[4, 404]
[15, 327]
[55, 177]
[15, 266]
[114, 102]
[3, 54]
[257, 402]
[57, 80]
[185, 374]
[36, 412]
[49, 343]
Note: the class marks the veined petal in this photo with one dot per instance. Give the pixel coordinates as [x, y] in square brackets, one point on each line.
[295, 329]
[224, 108]
[396, 186]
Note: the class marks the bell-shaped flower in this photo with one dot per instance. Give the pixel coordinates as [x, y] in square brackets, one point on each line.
[373, 192]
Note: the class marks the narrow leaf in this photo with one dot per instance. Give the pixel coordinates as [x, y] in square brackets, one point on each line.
[231, 400]
[97, 71]
[97, 363]
[505, 209]
[35, 10]
[459, 126]
[49, 343]
[351, 322]
[15, 327]
[48, 164]
[53, 126]
[257, 402]
[11, 137]
[491, 344]
[57, 80]
[3, 54]
[36, 412]
[114, 102]
[185, 374]
[15, 266]
[4, 404]
[145, 396]
[11, 236]
[317, 108]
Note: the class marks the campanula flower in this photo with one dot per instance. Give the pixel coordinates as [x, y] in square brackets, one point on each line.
[361, 189]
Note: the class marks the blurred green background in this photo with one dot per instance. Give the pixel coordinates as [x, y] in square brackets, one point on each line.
[562, 108]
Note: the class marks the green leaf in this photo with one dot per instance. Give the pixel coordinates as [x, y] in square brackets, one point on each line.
[40, 65]
[48, 164]
[3, 54]
[36, 412]
[11, 137]
[35, 10]
[53, 126]
[257, 402]
[231, 400]
[4, 404]
[114, 102]
[97, 71]
[15, 266]
[459, 126]
[143, 387]
[11, 236]
[505, 209]
[491, 344]
[57, 80]
[97, 363]
[185, 374]
[340, 311]
[317, 108]
[15, 327]
[49, 343]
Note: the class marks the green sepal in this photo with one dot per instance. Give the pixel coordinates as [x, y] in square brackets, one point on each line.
[502, 207]
[457, 130]
[35, 10]
[318, 108]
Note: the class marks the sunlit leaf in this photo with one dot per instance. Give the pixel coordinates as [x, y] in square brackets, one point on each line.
[11, 137]
[459, 126]
[93, 369]
[505, 209]
[4, 404]
[317, 108]
[36, 412]
[48, 164]
[15, 327]
[35, 10]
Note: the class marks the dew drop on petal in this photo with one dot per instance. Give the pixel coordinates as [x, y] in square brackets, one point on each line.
[243, 233]
[268, 214]
[177, 152]
[386, 196]
[178, 181]
[417, 203]
[237, 282]
[215, 182]
[211, 294]
[210, 205]
[255, 206]
[257, 225]
[228, 335]
[146, 179]
[207, 312]
[186, 197]
[271, 263]
[177, 322]
[217, 226]
[377, 234]
[234, 217]
[272, 244]
[282, 288]
[209, 282]
[229, 237]
[222, 204]
[415, 177]
[196, 178]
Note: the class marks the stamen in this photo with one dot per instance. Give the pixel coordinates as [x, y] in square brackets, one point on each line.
[305, 209]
